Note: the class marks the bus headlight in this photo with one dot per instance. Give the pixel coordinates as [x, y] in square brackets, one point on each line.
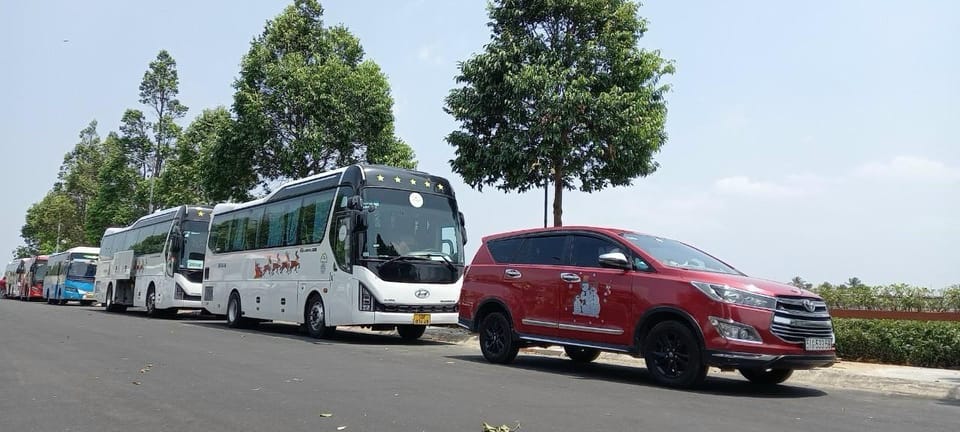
[366, 299]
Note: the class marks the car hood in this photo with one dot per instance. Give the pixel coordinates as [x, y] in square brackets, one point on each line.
[752, 284]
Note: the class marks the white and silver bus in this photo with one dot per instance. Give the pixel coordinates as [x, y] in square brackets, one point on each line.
[155, 263]
[363, 245]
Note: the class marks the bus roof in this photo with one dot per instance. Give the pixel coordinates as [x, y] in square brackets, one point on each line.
[159, 215]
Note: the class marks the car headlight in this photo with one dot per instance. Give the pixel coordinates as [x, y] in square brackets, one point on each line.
[728, 294]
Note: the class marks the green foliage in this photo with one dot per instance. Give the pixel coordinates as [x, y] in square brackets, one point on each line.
[182, 181]
[116, 202]
[915, 343]
[800, 283]
[158, 91]
[61, 213]
[53, 218]
[306, 101]
[894, 297]
[24, 252]
[561, 92]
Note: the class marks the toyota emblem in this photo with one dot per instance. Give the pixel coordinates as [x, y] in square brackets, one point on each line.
[422, 293]
[808, 305]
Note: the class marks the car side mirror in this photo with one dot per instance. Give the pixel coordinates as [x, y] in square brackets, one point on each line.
[463, 228]
[176, 243]
[615, 260]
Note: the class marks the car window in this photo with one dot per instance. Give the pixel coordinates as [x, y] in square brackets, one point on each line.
[541, 250]
[586, 250]
[504, 250]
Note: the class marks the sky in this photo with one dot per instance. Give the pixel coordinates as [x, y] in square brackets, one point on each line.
[817, 139]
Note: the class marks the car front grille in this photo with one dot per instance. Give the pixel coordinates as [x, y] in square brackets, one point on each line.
[794, 321]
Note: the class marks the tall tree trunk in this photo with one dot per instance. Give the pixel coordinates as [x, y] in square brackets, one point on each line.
[557, 195]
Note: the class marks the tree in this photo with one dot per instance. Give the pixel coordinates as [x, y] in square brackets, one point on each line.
[854, 282]
[79, 172]
[51, 224]
[24, 251]
[307, 101]
[798, 282]
[158, 90]
[561, 92]
[116, 202]
[182, 182]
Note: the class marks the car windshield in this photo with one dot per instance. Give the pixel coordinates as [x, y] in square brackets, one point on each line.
[82, 270]
[194, 244]
[678, 255]
[405, 223]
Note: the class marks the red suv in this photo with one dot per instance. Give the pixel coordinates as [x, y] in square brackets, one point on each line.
[598, 289]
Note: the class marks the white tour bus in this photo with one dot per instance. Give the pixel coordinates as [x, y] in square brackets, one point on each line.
[364, 245]
[70, 276]
[12, 278]
[155, 263]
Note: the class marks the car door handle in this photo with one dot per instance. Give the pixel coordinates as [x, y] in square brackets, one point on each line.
[570, 277]
[512, 274]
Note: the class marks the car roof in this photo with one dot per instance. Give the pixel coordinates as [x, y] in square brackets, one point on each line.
[597, 229]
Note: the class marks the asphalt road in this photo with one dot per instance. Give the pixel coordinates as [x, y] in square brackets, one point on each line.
[72, 368]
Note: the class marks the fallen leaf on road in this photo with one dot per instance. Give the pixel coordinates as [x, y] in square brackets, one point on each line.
[341, 427]
[135, 382]
[326, 415]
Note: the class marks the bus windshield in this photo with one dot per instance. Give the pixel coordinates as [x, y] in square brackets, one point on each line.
[405, 223]
[194, 244]
[82, 270]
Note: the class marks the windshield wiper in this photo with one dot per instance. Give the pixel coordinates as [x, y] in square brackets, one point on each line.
[422, 257]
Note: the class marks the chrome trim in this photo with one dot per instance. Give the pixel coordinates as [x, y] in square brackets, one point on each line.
[538, 323]
[745, 356]
[512, 273]
[792, 323]
[601, 330]
[570, 277]
[571, 343]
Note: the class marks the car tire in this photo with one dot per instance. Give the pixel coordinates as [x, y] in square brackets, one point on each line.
[497, 342]
[411, 332]
[673, 356]
[315, 319]
[581, 354]
[766, 377]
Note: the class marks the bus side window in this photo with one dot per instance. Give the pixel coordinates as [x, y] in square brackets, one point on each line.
[340, 240]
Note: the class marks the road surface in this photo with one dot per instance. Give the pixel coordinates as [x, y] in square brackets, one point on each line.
[73, 368]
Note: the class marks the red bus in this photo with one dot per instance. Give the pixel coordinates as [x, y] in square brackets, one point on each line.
[31, 273]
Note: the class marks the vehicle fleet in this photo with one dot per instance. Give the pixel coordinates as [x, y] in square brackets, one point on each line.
[383, 247]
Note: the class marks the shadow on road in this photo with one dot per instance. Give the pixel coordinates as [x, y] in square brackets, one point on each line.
[344, 335]
[714, 385]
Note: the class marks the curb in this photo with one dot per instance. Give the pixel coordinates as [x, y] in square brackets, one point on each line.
[843, 375]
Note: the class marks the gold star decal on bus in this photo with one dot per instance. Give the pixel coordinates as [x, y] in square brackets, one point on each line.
[426, 183]
[440, 187]
[200, 213]
[413, 181]
[380, 177]
[396, 179]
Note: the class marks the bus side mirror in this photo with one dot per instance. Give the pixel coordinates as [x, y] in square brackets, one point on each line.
[176, 243]
[463, 228]
[355, 203]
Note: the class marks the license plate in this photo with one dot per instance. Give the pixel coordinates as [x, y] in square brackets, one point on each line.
[818, 344]
[421, 318]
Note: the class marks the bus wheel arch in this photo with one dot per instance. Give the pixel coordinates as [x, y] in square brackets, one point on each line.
[314, 317]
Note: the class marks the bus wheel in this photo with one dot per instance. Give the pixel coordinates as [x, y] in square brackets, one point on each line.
[151, 303]
[235, 317]
[112, 306]
[411, 332]
[316, 319]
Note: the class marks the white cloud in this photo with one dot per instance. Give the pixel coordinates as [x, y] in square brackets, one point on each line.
[428, 54]
[744, 186]
[909, 168]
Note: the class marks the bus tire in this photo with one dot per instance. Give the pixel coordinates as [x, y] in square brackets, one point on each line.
[315, 318]
[235, 317]
[112, 306]
[151, 302]
[410, 332]
[86, 302]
